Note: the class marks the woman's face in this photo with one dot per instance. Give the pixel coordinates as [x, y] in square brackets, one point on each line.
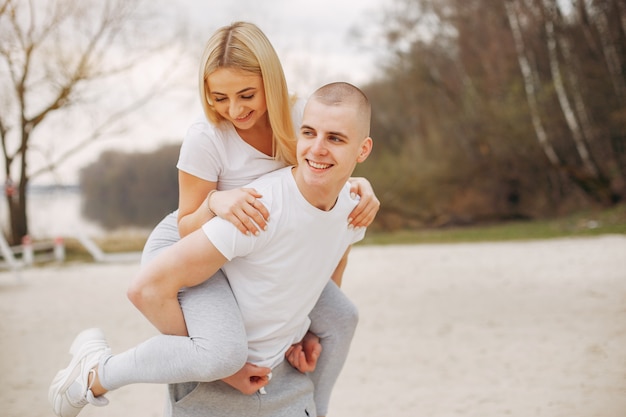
[238, 96]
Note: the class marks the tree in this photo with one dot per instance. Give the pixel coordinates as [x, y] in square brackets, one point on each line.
[73, 73]
[545, 22]
[150, 178]
[499, 109]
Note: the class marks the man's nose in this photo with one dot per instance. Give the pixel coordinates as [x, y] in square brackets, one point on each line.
[319, 145]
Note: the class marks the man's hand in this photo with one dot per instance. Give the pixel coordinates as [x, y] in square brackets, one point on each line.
[303, 356]
[249, 379]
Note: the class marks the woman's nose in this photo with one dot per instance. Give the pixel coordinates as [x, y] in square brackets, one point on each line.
[234, 109]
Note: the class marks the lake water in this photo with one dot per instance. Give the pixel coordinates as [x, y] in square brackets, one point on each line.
[54, 213]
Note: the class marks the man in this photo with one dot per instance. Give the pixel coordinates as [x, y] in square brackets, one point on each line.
[307, 206]
[276, 277]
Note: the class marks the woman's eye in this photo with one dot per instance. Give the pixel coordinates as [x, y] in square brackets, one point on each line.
[248, 97]
[219, 99]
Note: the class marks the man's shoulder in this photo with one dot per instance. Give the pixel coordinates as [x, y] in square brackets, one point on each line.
[271, 179]
[346, 200]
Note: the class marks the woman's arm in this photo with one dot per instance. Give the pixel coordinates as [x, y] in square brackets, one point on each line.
[197, 204]
[364, 213]
[193, 210]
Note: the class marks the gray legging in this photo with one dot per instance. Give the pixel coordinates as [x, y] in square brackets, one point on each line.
[217, 344]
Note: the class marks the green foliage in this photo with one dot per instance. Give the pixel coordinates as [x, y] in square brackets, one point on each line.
[454, 140]
[583, 223]
[130, 189]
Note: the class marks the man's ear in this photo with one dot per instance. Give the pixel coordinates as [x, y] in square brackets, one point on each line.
[366, 149]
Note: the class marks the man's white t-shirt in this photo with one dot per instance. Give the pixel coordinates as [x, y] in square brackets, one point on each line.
[278, 276]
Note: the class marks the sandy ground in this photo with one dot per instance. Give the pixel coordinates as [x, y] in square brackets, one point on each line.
[481, 330]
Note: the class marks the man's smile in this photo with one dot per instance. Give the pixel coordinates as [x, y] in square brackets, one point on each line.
[318, 165]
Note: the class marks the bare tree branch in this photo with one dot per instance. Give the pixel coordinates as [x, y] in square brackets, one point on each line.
[56, 52]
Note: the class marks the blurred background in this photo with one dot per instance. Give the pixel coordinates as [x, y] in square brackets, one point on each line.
[484, 111]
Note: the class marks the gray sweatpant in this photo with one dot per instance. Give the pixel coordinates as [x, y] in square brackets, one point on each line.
[288, 394]
[217, 343]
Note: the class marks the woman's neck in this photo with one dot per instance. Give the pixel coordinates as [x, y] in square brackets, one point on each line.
[260, 136]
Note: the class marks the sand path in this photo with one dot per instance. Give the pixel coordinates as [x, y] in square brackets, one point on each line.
[476, 330]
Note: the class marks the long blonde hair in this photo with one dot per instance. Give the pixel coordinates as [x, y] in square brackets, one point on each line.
[244, 46]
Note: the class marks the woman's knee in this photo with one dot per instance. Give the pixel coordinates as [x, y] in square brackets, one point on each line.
[218, 359]
[348, 316]
[164, 235]
[335, 317]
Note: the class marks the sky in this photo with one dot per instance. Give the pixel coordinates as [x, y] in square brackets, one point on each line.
[314, 40]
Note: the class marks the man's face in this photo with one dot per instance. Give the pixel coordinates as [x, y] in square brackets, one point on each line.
[331, 141]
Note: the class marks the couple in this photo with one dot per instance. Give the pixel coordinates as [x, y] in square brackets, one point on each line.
[305, 242]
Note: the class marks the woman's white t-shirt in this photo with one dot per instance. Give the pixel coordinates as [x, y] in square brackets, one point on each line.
[217, 153]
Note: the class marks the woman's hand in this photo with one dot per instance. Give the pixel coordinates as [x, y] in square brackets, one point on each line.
[364, 213]
[249, 379]
[240, 207]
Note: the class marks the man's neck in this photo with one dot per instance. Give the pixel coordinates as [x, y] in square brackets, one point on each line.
[321, 197]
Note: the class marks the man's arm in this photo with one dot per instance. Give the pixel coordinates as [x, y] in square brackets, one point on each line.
[337, 275]
[187, 263]
[155, 293]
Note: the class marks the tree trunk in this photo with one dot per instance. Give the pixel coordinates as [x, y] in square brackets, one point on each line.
[17, 214]
[564, 102]
[589, 128]
[529, 86]
[611, 56]
[621, 12]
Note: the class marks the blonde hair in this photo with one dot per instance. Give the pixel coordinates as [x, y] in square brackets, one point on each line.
[244, 46]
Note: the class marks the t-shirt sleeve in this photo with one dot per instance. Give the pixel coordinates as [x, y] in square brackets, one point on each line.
[228, 239]
[359, 235]
[202, 153]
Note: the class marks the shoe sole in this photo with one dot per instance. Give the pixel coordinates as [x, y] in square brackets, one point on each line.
[65, 377]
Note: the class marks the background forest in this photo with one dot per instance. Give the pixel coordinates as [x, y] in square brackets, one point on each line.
[485, 110]
[495, 110]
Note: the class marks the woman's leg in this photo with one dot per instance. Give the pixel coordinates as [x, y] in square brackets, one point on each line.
[217, 343]
[216, 346]
[333, 319]
[164, 235]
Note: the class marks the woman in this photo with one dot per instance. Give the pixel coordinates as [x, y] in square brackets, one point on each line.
[248, 131]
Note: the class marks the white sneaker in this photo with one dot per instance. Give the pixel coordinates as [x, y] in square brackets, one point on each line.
[70, 391]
